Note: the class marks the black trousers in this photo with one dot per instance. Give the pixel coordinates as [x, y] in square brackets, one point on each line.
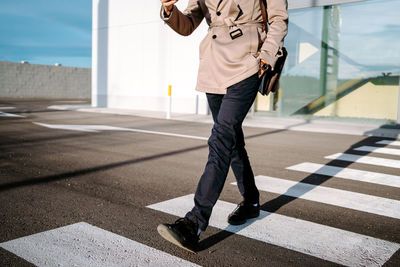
[226, 148]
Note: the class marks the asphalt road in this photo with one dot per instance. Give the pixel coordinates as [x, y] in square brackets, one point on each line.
[107, 177]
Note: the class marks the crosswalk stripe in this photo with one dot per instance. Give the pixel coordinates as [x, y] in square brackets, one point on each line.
[5, 114]
[325, 242]
[382, 150]
[341, 198]
[4, 108]
[389, 142]
[347, 173]
[82, 244]
[366, 160]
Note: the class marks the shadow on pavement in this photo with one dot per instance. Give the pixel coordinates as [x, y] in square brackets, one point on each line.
[75, 174]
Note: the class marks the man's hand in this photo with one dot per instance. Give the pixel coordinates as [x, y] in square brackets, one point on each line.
[168, 5]
[264, 66]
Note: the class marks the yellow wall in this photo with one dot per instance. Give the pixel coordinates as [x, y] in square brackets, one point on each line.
[368, 101]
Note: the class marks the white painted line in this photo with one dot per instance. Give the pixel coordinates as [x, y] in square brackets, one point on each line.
[4, 114]
[82, 244]
[389, 142]
[71, 107]
[366, 160]
[4, 108]
[97, 128]
[80, 128]
[341, 198]
[71, 101]
[347, 173]
[328, 243]
[382, 150]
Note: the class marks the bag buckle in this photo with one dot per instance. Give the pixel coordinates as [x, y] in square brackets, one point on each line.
[236, 34]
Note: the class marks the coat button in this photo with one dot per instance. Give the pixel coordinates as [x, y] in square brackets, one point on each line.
[214, 36]
[218, 13]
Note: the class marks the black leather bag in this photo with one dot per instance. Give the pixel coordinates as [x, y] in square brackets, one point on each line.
[270, 78]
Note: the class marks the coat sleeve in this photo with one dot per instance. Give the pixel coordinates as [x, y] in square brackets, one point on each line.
[184, 22]
[278, 20]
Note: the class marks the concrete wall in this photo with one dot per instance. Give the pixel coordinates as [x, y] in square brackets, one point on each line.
[41, 81]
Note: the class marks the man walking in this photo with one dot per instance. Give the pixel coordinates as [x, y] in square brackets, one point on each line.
[233, 55]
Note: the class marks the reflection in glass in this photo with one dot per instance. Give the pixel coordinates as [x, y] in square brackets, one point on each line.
[344, 61]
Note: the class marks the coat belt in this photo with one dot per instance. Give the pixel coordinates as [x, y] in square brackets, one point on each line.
[229, 22]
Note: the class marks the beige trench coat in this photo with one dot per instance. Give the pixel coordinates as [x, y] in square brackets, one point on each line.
[224, 60]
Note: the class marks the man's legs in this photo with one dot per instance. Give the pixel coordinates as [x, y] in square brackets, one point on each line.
[240, 163]
[226, 144]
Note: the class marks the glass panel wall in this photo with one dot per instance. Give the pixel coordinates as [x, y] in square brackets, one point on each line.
[344, 62]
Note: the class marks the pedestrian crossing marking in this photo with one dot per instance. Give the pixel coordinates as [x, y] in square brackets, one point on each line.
[382, 150]
[366, 160]
[347, 173]
[389, 142]
[82, 244]
[341, 198]
[5, 114]
[325, 242]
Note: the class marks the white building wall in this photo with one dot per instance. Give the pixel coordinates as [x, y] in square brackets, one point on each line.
[136, 56]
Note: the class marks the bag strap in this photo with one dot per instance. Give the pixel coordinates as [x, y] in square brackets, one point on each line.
[264, 14]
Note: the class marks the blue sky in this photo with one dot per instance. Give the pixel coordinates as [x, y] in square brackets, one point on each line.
[46, 31]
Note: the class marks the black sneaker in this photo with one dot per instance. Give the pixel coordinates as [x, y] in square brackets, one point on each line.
[243, 212]
[182, 233]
